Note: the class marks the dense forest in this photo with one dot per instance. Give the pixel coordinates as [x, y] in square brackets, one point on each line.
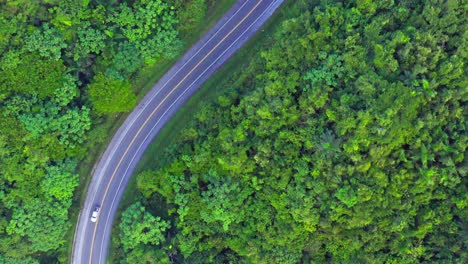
[343, 141]
[67, 67]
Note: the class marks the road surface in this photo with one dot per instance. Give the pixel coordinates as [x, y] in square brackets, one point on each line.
[115, 167]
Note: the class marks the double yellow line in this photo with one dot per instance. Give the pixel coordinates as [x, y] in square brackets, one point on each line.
[155, 110]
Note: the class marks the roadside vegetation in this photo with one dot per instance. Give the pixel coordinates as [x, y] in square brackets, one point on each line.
[69, 69]
[343, 140]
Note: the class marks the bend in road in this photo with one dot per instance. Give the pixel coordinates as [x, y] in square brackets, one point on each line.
[116, 165]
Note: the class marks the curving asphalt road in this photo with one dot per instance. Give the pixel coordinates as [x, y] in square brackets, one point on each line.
[115, 167]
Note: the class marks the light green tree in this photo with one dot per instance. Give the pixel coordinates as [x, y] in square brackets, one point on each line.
[60, 181]
[139, 227]
[111, 96]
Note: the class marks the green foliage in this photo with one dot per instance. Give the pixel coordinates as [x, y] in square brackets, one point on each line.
[40, 128]
[220, 203]
[139, 227]
[42, 224]
[52, 58]
[111, 96]
[125, 61]
[90, 41]
[48, 42]
[191, 15]
[146, 255]
[27, 260]
[342, 141]
[10, 60]
[139, 23]
[150, 25]
[65, 94]
[70, 127]
[164, 45]
[68, 124]
[60, 181]
[33, 75]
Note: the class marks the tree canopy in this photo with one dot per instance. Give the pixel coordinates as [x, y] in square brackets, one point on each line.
[67, 67]
[111, 96]
[343, 140]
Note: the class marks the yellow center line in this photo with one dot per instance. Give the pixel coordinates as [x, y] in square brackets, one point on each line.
[155, 110]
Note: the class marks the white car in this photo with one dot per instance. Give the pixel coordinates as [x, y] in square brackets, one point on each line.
[95, 214]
